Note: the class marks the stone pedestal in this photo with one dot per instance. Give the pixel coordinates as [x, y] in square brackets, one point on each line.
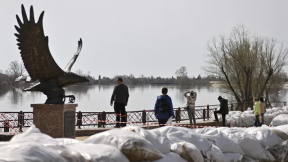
[56, 120]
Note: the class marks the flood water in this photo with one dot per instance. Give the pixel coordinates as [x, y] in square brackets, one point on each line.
[97, 97]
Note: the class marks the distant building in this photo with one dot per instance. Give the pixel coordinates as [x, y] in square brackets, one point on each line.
[22, 80]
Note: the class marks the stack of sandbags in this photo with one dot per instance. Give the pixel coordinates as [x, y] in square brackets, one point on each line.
[165, 144]
[247, 118]
[131, 144]
[178, 135]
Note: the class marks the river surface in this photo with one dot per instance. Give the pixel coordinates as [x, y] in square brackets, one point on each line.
[97, 97]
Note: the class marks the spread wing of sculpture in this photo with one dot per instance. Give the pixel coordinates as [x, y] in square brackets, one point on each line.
[39, 63]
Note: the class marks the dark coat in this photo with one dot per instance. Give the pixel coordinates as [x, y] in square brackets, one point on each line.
[224, 106]
[161, 115]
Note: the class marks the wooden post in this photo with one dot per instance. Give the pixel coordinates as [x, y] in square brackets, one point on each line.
[79, 119]
[285, 103]
[204, 112]
[208, 115]
[104, 118]
[99, 118]
[178, 115]
[144, 116]
[20, 120]
[6, 125]
[231, 109]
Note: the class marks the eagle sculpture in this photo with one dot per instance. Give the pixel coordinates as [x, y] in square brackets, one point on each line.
[39, 63]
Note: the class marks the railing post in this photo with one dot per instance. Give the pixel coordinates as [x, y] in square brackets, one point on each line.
[20, 121]
[79, 119]
[144, 116]
[208, 115]
[99, 120]
[285, 103]
[231, 109]
[6, 125]
[178, 115]
[204, 112]
[104, 118]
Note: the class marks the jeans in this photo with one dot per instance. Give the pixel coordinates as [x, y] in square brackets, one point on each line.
[257, 121]
[223, 116]
[120, 111]
[191, 114]
[262, 115]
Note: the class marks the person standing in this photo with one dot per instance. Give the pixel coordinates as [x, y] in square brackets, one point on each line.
[191, 106]
[257, 112]
[262, 109]
[120, 97]
[223, 110]
[163, 108]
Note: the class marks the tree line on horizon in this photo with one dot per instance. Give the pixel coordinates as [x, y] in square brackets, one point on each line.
[17, 69]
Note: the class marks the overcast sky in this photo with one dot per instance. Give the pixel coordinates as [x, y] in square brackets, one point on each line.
[149, 37]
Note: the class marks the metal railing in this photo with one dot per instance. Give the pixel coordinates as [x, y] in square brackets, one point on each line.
[19, 120]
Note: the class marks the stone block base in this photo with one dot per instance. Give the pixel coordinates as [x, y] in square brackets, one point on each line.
[56, 120]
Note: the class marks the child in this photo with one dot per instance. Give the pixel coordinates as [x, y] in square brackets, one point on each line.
[257, 112]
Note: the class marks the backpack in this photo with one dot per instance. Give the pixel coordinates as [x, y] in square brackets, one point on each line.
[163, 105]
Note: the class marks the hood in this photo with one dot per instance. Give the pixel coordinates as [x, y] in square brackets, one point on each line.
[162, 96]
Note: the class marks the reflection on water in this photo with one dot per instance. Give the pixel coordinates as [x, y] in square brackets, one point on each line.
[97, 98]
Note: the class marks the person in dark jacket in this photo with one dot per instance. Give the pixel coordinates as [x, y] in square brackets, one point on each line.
[120, 97]
[223, 109]
[163, 107]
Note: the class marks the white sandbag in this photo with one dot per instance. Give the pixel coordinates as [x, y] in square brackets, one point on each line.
[280, 134]
[206, 130]
[250, 145]
[187, 151]
[32, 152]
[179, 134]
[161, 143]
[33, 134]
[270, 157]
[280, 120]
[135, 147]
[94, 153]
[65, 141]
[265, 136]
[169, 121]
[283, 128]
[222, 141]
[249, 159]
[280, 152]
[215, 154]
[233, 157]
[248, 120]
[171, 157]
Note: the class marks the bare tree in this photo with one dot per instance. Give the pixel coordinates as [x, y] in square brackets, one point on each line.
[79, 72]
[246, 64]
[15, 70]
[182, 72]
[182, 77]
